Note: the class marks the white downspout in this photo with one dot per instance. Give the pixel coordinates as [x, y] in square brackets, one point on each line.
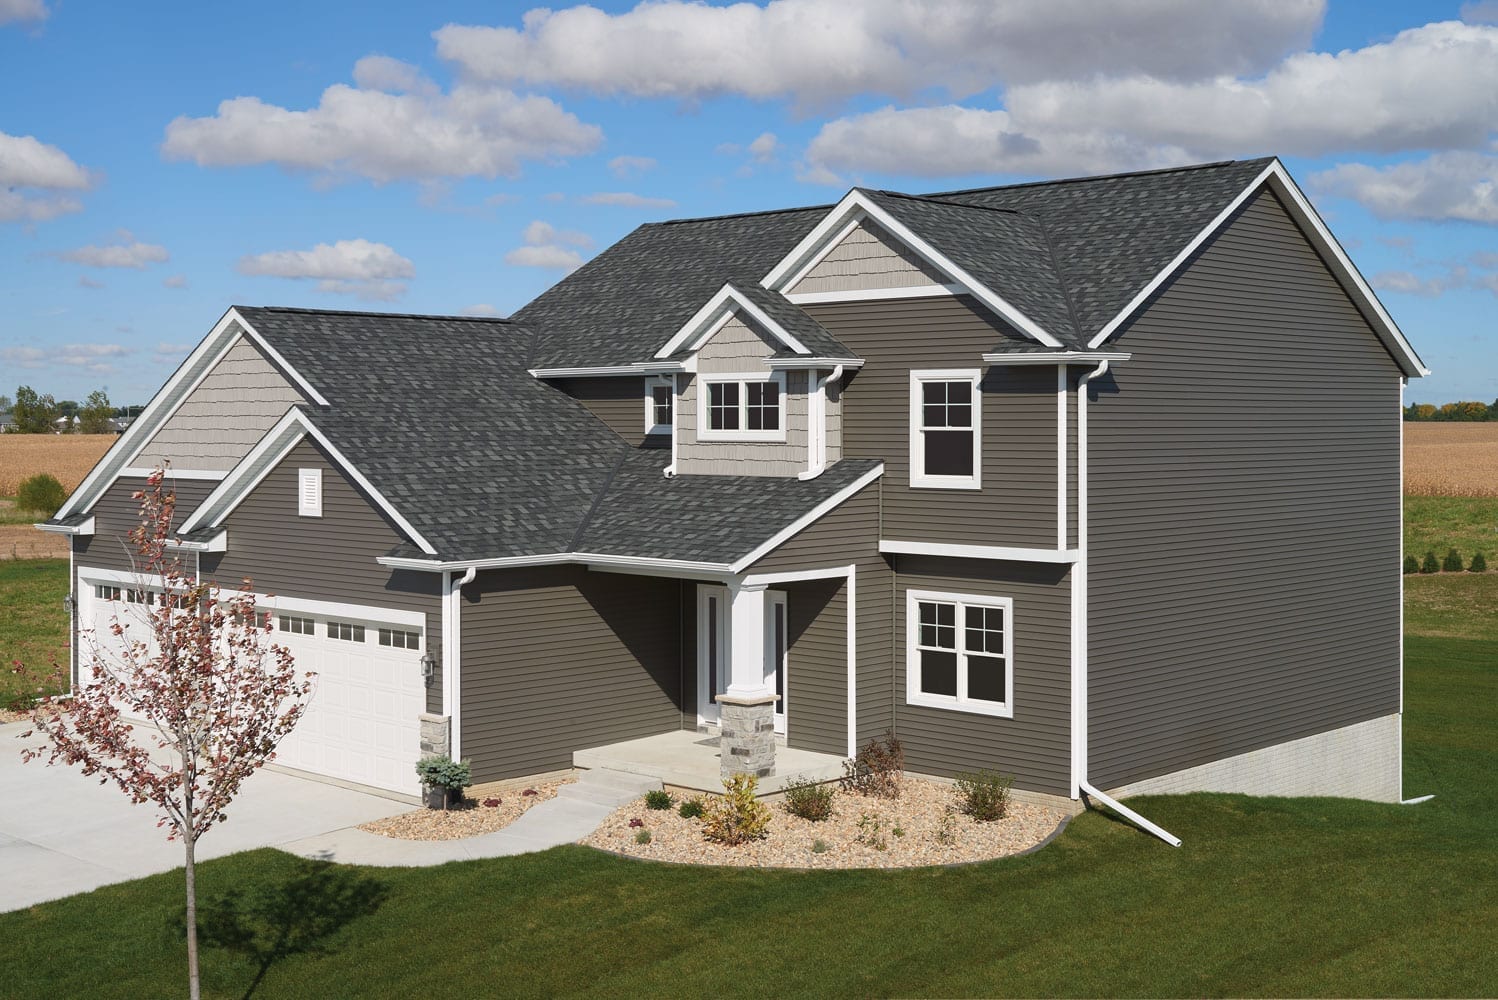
[452, 659]
[1080, 784]
[816, 431]
[670, 470]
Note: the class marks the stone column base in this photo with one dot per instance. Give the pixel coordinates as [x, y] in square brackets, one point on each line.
[746, 738]
[436, 735]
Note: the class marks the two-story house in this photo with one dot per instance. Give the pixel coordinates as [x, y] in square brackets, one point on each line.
[1095, 482]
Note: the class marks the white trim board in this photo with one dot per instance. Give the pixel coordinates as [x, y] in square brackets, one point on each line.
[174, 473]
[637, 368]
[711, 317]
[1001, 552]
[856, 206]
[86, 528]
[877, 294]
[1279, 181]
[1055, 357]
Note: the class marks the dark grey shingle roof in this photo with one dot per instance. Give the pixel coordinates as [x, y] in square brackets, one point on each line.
[812, 335]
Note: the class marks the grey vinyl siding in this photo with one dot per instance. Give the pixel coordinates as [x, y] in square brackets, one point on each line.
[868, 257]
[875, 640]
[618, 401]
[1034, 745]
[841, 536]
[116, 514]
[328, 558]
[239, 399]
[1245, 513]
[1017, 504]
[817, 676]
[557, 659]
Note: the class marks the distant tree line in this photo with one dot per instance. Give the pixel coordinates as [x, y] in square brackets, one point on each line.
[1464, 411]
[33, 413]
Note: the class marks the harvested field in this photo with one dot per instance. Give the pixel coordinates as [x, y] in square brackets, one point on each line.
[1451, 459]
[66, 456]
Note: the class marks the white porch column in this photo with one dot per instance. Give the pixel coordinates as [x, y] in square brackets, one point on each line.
[747, 709]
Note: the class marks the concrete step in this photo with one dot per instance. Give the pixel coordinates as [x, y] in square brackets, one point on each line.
[605, 787]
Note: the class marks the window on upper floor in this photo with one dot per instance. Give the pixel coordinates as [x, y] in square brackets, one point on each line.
[946, 429]
[660, 393]
[741, 408]
[960, 652]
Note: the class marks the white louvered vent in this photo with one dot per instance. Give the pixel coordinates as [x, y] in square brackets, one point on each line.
[309, 492]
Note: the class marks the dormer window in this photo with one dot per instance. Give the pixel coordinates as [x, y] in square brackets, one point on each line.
[741, 408]
[660, 393]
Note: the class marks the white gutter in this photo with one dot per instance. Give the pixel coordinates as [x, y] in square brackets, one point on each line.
[1054, 357]
[816, 439]
[85, 528]
[637, 368]
[556, 559]
[1080, 784]
[452, 659]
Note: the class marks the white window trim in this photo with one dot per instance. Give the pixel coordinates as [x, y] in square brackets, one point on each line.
[918, 477]
[960, 703]
[306, 478]
[704, 433]
[651, 384]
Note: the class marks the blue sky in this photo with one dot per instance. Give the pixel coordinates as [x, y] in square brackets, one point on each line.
[159, 163]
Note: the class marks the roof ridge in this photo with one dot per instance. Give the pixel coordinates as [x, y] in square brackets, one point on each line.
[383, 315]
[740, 215]
[936, 200]
[1215, 164]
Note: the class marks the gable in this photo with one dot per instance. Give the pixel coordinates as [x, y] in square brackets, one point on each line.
[237, 401]
[739, 345]
[868, 257]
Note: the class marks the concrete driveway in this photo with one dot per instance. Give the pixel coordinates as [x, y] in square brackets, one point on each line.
[62, 833]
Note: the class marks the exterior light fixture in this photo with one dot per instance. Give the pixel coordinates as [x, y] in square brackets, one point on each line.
[70, 604]
[428, 667]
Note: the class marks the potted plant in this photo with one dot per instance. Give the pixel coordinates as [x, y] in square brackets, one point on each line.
[444, 780]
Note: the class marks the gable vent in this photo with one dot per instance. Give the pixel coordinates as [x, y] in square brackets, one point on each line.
[309, 492]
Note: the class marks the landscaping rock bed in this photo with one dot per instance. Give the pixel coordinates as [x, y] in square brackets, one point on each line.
[932, 832]
[473, 819]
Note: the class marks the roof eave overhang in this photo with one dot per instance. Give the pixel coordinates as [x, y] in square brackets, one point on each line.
[1056, 358]
[218, 542]
[83, 528]
[612, 371]
[779, 364]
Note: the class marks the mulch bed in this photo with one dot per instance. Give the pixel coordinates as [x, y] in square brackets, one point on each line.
[474, 818]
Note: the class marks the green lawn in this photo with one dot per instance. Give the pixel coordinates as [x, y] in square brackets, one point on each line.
[35, 626]
[1274, 897]
[11, 514]
[1467, 524]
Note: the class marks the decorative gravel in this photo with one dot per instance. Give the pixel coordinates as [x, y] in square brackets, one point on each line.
[918, 813]
[470, 821]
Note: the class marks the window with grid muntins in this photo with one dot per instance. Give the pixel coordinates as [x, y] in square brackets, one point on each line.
[947, 427]
[961, 652]
[762, 409]
[346, 631]
[660, 398]
[400, 638]
[104, 592]
[723, 406]
[297, 626]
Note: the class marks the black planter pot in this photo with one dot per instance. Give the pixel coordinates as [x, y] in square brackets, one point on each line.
[439, 797]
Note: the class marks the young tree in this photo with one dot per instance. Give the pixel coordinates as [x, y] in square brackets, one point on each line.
[34, 413]
[94, 417]
[215, 693]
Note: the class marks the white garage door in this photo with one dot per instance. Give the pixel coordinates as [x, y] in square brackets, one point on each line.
[362, 722]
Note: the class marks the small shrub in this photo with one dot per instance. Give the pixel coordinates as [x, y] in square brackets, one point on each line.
[444, 772]
[871, 832]
[1431, 564]
[1479, 564]
[819, 846]
[41, 493]
[808, 799]
[492, 803]
[1411, 564]
[1453, 562]
[738, 817]
[946, 828]
[692, 808]
[642, 837]
[984, 795]
[658, 799]
[876, 769]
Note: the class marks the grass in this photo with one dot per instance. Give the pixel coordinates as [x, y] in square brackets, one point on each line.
[11, 514]
[35, 625]
[1272, 897]
[1467, 524]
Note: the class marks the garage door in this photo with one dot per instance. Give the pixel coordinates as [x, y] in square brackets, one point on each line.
[362, 722]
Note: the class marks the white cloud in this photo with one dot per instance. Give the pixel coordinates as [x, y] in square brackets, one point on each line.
[91, 358]
[174, 281]
[414, 133]
[625, 199]
[23, 357]
[31, 175]
[170, 354]
[22, 11]
[84, 281]
[1478, 272]
[372, 271]
[549, 247]
[502, 198]
[764, 146]
[817, 51]
[630, 166]
[134, 255]
[481, 309]
[1480, 12]
[1457, 185]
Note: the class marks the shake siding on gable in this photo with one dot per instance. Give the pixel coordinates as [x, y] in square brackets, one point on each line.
[1035, 745]
[1245, 513]
[328, 558]
[868, 257]
[1017, 505]
[225, 416]
[560, 658]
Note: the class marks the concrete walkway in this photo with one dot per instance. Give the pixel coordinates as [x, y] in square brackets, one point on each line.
[576, 812]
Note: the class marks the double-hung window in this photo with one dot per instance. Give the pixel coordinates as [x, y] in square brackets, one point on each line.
[660, 392]
[741, 408]
[960, 652]
[946, 420]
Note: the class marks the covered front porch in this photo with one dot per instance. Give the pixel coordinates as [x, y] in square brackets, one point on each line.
[693, 760]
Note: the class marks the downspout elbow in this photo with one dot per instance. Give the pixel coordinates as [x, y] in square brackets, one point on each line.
[817, 461]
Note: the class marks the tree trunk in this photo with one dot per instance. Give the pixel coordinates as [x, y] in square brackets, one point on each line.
[193, 989]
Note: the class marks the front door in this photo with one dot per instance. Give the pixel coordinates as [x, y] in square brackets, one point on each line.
[777, 631]
[712, 650]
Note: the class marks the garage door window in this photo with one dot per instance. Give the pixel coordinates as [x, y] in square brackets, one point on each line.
[400, 639]
[345, 631]
[295, 625]
[104, 592]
